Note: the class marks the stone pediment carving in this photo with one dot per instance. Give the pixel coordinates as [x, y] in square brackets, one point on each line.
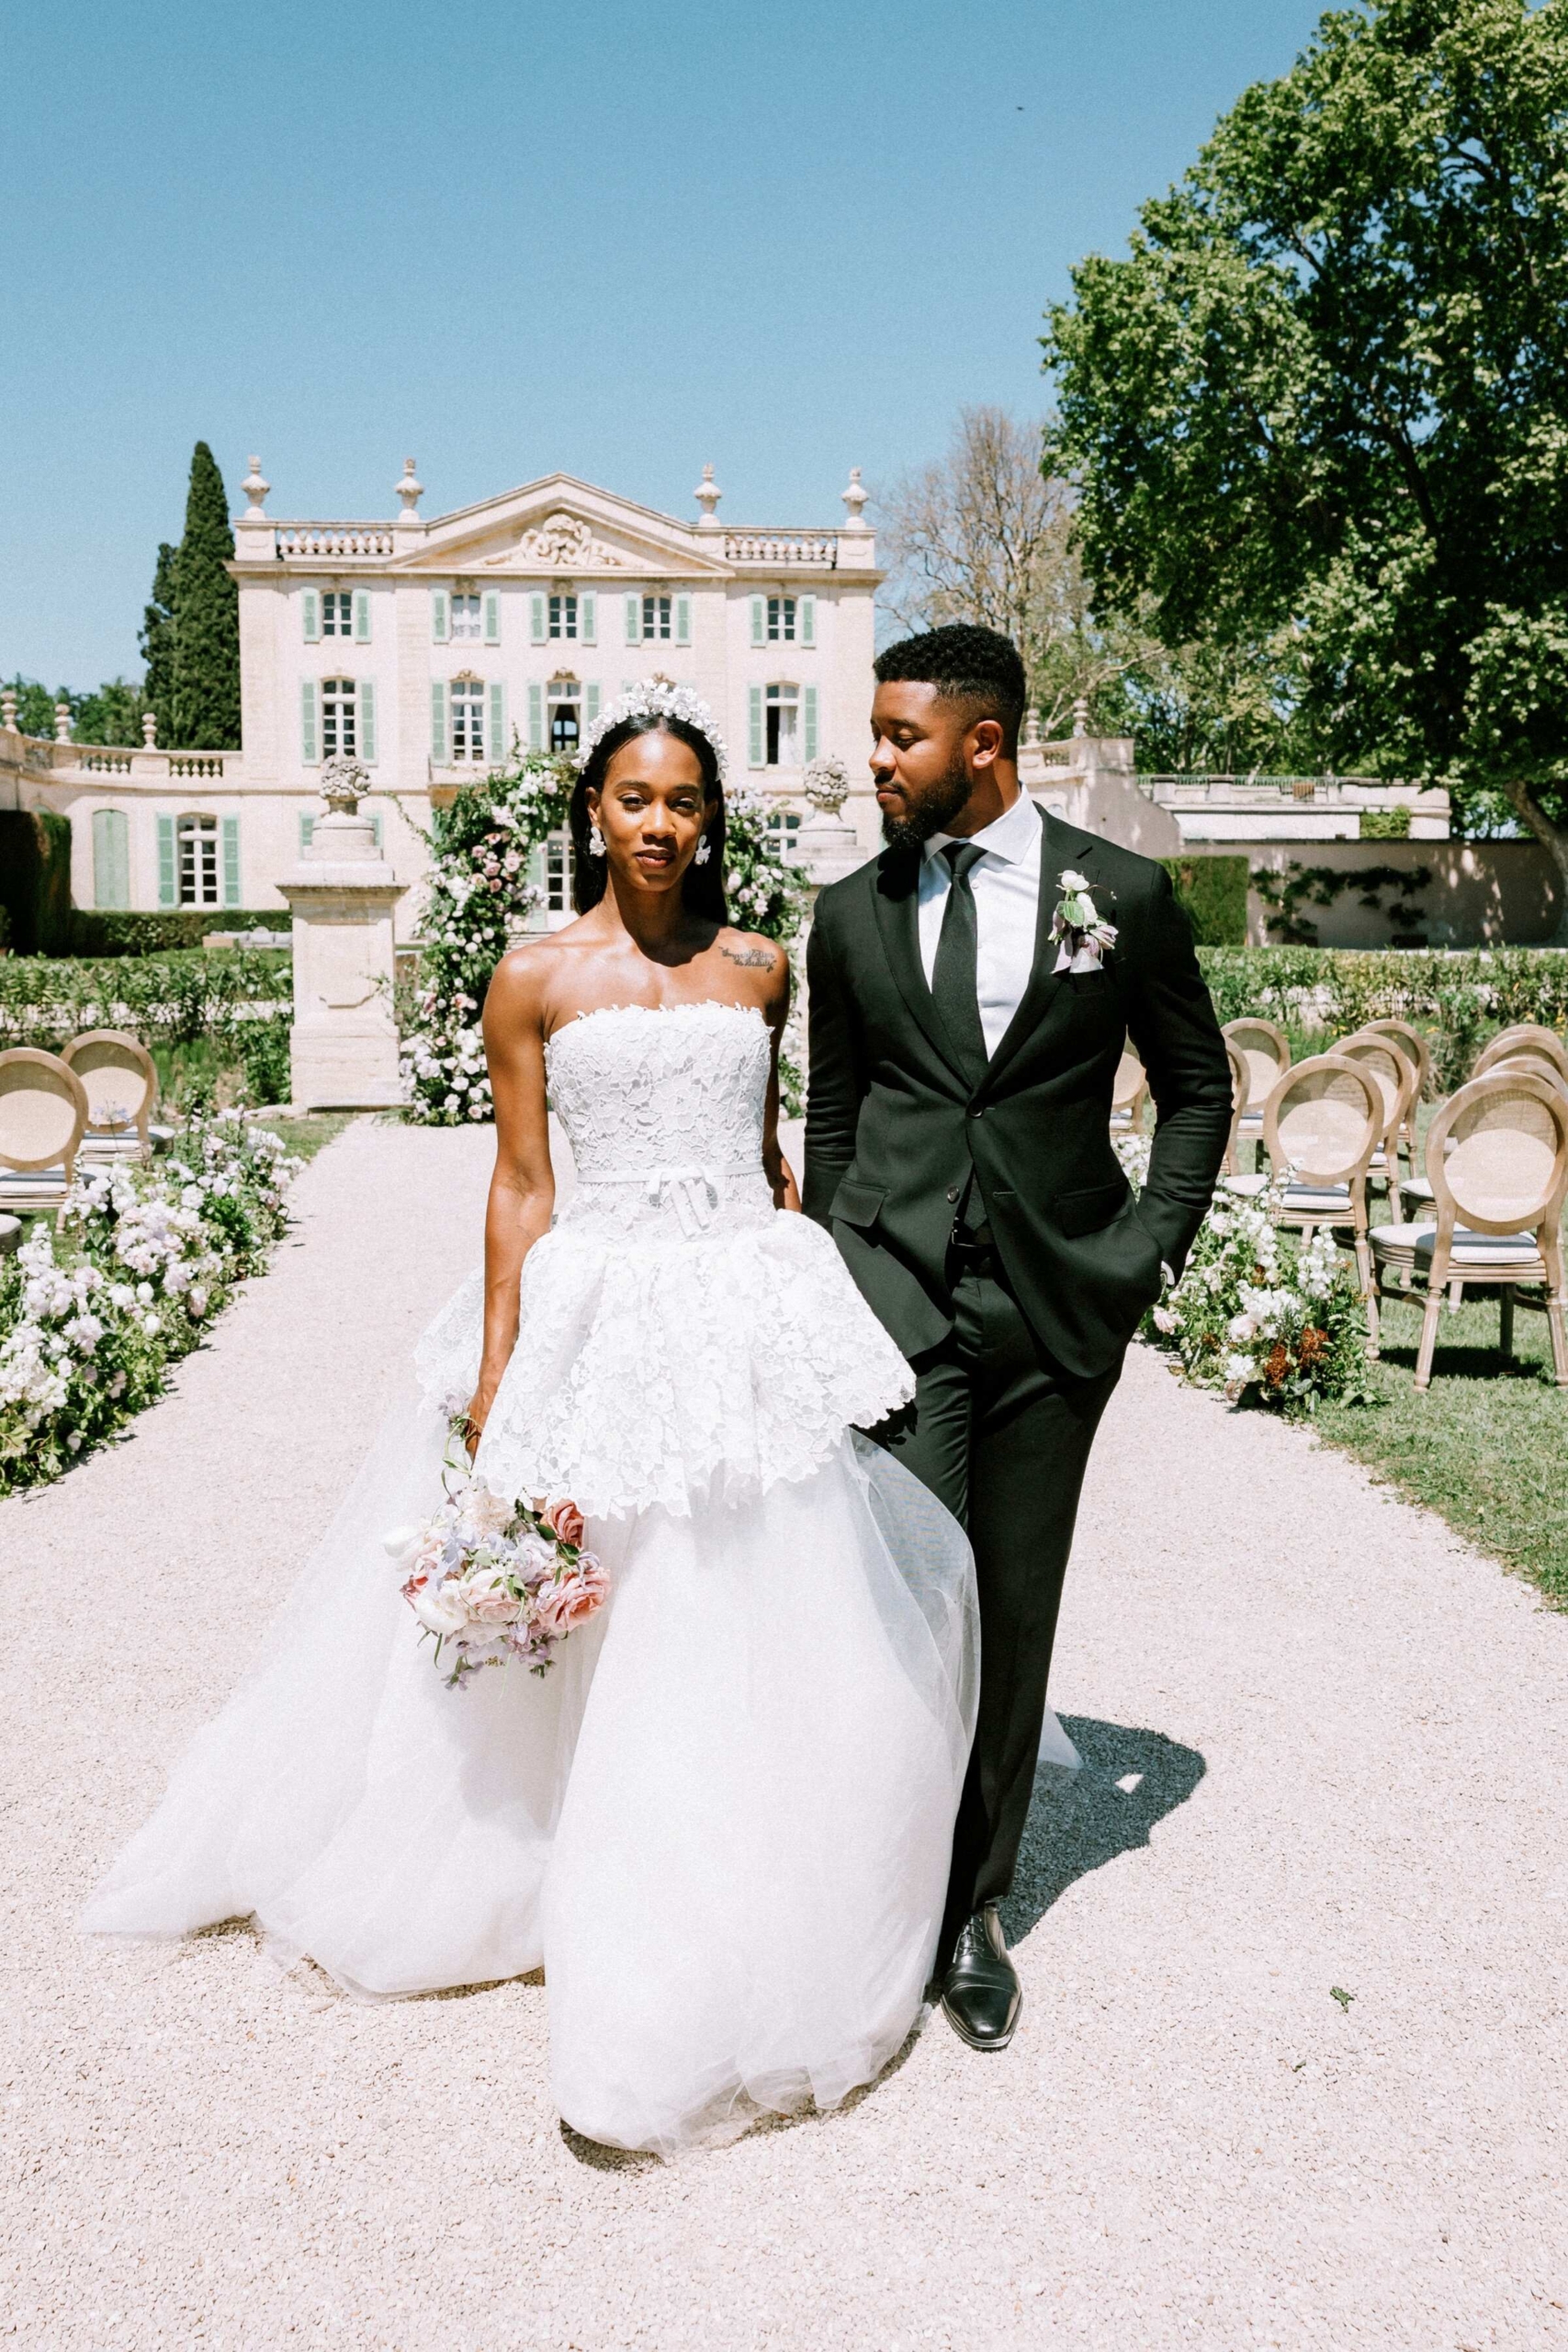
[564, 543]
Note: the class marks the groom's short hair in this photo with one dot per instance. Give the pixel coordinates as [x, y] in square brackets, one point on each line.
[977, 666]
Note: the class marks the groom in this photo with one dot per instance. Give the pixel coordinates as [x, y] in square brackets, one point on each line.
[957, 1145]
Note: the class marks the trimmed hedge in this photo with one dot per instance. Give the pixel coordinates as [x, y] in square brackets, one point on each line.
[35, 881]
[1212, 892]
[1456, 996]
[163, 999]
[102, 931]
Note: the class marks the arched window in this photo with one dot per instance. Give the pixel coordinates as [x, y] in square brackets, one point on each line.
[196, 844]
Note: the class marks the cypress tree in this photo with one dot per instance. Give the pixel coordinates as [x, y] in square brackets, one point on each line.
[207, 618]
[157, 642]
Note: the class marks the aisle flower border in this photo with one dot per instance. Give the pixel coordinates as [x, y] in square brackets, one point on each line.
[1260, 1314]
[94, 1310]
[484, 886]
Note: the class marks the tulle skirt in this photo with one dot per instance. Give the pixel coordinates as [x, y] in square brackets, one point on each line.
[722, 1821]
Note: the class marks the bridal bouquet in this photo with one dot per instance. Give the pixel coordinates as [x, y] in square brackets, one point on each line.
[495, 1581]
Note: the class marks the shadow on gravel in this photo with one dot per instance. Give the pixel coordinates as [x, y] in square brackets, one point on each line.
[1081, 1820]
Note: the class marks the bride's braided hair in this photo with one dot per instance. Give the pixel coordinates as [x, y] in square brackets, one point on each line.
[702, 886]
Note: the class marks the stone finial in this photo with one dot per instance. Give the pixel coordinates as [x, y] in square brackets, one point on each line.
[1031, 729]
[62, 722]
[256, 488]
[411, 490]
[8, 710]
[150, 730]
[1080, 715]
[343, 785]
[707, 494]
[826, 784]
[855, 499]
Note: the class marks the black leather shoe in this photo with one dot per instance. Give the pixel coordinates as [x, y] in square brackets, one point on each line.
[980, 1991]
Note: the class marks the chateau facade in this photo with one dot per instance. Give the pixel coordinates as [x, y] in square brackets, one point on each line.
[431, 650]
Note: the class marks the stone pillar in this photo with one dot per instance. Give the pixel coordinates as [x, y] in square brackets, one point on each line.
[344, 1042]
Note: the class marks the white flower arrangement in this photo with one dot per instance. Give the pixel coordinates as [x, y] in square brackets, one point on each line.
[658, 697]
[82, 1347]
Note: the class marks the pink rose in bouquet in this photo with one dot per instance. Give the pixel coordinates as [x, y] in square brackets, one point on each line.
[568, 1602]
[564, 1519]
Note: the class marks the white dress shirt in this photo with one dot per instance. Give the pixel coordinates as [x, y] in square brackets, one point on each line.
[1006, 886]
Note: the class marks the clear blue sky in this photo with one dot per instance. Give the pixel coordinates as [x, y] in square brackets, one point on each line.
[609, 238]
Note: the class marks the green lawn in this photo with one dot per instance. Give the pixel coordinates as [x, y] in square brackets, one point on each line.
[1487, 1444]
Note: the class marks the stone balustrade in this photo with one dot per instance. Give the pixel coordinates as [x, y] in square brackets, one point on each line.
[779, 549]
[333, 542]
[142, 763]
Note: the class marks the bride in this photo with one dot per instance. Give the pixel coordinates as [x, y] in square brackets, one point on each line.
[722, 1821]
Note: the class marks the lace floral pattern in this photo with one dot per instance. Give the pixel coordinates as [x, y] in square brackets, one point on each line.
[680, 1343]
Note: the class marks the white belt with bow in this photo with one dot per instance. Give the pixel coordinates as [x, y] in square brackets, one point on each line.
[692, 1192]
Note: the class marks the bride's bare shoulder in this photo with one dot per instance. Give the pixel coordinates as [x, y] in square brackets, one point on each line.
[758, 966]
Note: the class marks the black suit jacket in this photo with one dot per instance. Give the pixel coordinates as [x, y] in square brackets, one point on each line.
[896, 1120]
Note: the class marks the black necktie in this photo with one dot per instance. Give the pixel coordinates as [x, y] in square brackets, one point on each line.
[955, 988]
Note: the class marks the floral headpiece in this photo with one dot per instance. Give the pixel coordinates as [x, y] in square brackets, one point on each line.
[658, 697]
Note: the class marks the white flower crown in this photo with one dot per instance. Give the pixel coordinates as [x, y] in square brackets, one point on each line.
[657, 697]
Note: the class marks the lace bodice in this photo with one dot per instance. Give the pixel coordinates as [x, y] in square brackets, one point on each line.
[643, 1090]
[680, 1340]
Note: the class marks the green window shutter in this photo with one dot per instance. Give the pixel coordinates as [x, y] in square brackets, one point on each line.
[310, 608]
[759, 621]
[759, 744]
[308, 735]
[807, 614]
[492, 616]
[809, 698]
[634, 620]
[588, 620]
[438, 722]
[361, 616]
[536, 620]
[368, 721]
[682, 620]
[168, 886]
[230, 830]
[535, 717]
[591, 702]
[439, 614]
[307, 826]
[112, 862]
[500, 746]
[375, 828]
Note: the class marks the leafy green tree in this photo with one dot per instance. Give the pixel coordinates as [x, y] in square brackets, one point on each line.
[157, 641]
[35, 704]
[1326, 390]
[112, 715]
[206, 699]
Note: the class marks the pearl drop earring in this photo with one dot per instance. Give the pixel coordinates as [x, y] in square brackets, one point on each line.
[705, 851]
[595, 842]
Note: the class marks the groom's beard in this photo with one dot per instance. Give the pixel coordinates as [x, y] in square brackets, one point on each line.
[932, 813]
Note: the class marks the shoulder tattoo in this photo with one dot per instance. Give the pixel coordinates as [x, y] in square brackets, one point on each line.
[752, 959]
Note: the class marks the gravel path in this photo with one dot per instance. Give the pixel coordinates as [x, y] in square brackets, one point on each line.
[1327, 1746]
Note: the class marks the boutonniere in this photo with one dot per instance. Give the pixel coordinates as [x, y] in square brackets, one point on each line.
[1077, 922]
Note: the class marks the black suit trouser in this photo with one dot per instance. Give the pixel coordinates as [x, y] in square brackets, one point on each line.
[1001, 1434]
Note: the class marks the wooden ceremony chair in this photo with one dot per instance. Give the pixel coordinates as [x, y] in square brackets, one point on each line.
[122, 1090]
[43, 1111]
[1414, 1047]
[1497, 1162]
[1526, 1037]
[1396, 1081]
[1266, 1050]
[1321, 1127]
[1241, 1087]
[1128, 1092]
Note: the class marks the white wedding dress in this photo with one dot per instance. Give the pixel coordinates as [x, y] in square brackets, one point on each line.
[722, 1820]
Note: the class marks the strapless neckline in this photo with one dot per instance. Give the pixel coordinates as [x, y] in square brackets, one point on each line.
[603, 1012]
